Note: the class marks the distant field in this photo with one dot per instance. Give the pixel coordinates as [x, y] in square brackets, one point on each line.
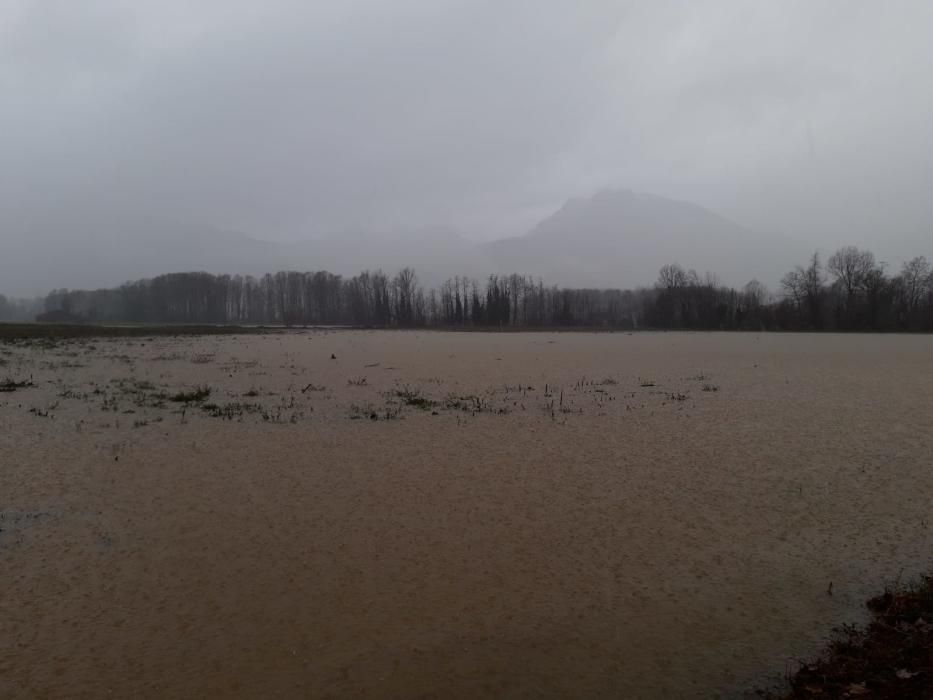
[23, 331]
[9, 331]
[189, 511]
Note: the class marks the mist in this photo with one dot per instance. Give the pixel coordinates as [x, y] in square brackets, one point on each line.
[238, 137]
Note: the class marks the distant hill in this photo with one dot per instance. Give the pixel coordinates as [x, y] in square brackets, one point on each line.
[622, 238]
[434, 252]
[93, 252]
[613, 239]
[105, 252]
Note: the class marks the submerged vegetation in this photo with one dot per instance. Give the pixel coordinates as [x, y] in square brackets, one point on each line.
[193, 396]
[415, 398]
[147, 388]
[153, 400]
[8, 384]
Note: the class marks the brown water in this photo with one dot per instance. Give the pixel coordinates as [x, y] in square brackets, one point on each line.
[631, 541]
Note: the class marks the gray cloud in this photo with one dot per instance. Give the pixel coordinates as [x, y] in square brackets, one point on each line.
[289, 119]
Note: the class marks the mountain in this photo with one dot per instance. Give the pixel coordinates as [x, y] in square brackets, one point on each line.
[621, 239]
[613, 239]
[94, 252]
[434, 252]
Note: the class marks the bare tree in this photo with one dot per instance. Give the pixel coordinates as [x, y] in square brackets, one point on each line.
[794, 286]
[755, 294]
[851, 268]
[804, 287]
[672, 277]
[813, 287]
[915, 278]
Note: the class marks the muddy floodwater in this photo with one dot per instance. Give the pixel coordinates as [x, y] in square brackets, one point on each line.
[434, 515]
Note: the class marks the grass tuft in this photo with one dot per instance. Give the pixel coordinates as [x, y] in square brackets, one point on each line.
[415, 398]
[199, 393]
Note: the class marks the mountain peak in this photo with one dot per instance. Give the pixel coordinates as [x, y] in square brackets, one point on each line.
[622, 237]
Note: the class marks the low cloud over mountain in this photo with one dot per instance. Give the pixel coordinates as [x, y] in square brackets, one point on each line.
[613, 239]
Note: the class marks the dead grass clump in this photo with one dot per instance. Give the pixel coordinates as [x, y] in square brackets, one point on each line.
[415, 398]
[9, 384]
[891, 658]
[142, 392]
[366, 411]
[131, 386]
[199, 393]
[73, 394]
[472, 404]
[168, 357]
[231, 411]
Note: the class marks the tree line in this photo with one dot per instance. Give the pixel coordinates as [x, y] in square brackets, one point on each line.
[19, 309]
[850, 291]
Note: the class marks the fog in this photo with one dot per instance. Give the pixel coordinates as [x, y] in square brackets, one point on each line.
[145, 137]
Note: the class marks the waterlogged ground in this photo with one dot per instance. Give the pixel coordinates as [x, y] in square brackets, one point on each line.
[380, 514]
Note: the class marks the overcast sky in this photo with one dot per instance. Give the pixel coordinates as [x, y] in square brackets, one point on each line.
[286, 119]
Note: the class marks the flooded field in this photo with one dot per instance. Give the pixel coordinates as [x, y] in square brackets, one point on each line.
[415, 514]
